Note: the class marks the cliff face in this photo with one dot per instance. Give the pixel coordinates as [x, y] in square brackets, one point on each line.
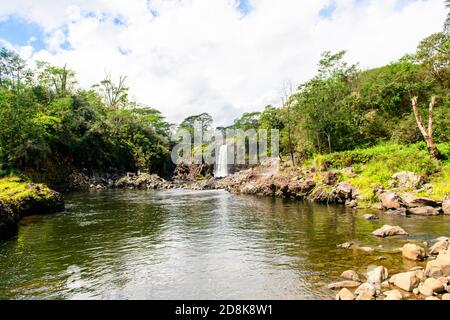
[19, 198]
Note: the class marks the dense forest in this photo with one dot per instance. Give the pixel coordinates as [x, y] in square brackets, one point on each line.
[47, 122]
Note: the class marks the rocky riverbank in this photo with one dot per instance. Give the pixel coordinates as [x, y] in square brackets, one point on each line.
[402, 197]
[431, 282]
[19, 198]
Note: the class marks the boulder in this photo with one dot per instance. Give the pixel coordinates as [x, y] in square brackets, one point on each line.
[411, 201]
[387, 231]
[376, 276]
[412, 251]
[345, 190]
[331, 177]
[366, 291]
[439, 267]
[424, 211]
[300, 188]
[407, 180]
[393, 295]
[350, 275]
[440, 246]
[396, 212]
[345, 294]
[390, 200]
[405, 280]
[431, 286]
[370, 217]
[446, 296]
[446, 205]
[344, 284]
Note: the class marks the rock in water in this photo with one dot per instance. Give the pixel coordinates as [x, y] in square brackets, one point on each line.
[366, 291]
[439, 267]
[446, 205]
[344, 284]
[424, 211]
[370, 217]
[345, 294]
[405, 280]
[411, 201]
[431, 286]
[376, 276]
[390, 200]
[387, 230]
[393, 295]
[440, 246]
[413, 252]
[446, 296]
[350, 275]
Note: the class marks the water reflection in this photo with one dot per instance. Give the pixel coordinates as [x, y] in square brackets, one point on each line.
[194, 245]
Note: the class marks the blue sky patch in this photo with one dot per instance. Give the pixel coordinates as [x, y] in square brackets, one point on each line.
[20, 32]
[327, 12]
[244, 6]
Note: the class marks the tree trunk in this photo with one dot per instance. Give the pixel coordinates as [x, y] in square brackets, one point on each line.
[426, 133]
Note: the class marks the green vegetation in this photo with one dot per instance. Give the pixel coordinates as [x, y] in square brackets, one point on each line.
[14, 190]
[47, 122]
[375, 166]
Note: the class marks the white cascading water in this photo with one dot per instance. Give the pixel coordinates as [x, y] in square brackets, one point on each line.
[221, 163]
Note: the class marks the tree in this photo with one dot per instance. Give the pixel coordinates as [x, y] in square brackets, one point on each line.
[13, 70]
[114, 95]
[58, 81]
[426, 133]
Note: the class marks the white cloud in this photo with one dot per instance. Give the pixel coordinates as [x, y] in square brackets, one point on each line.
[202, 55]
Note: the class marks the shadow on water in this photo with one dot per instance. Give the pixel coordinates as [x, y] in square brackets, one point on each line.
[179, 244]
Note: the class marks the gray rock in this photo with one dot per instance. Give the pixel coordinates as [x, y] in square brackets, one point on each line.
[387, 230]
[424, 211]
[390, 200]
[344, 284]
[345, 294]
[446, 205]
[350, 275]
[411, 201]
[370, 217]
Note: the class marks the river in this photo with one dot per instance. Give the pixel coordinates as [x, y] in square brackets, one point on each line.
[179, 244]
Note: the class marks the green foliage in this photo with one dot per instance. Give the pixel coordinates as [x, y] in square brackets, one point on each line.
[47, 119]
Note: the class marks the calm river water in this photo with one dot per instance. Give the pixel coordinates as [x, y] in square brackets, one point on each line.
[179, 244]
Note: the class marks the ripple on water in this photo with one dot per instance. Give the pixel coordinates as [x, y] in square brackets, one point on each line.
[181, 244]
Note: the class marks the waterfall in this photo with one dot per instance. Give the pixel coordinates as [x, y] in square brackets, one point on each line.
[221, 162]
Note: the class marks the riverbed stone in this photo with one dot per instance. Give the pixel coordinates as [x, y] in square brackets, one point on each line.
[387, 230]
[446, 205]
[431, 286]
[397, 212]
[432, 298]
[412, 201]
[393, 295]
[376, 275]
[425, 211]
[440, 267]
[446, 296]
[345, 294]
[405, 280]
[412, 251]
[390, 200]
[344, 284]
[350, 275]
[370, 217]
[366, 291]
[440, 246]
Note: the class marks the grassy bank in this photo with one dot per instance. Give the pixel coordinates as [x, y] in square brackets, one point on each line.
[19, 197]
[375, 166]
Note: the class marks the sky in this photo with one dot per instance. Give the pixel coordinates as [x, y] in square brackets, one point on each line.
[224, 57]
